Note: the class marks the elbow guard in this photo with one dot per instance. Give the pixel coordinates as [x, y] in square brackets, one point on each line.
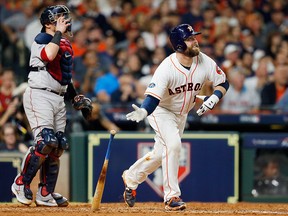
[225, 85]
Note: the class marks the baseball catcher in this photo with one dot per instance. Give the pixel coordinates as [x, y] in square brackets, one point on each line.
[50, 78]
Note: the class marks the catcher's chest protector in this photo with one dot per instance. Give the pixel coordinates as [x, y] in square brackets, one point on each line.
[61, 67]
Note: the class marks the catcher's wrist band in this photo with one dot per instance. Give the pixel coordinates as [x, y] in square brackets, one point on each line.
[57, 37]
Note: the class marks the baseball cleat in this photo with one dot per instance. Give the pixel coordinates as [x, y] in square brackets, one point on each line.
[60, 200]
[22, 192]
[44, 198]
[129, 194]
[175, 204]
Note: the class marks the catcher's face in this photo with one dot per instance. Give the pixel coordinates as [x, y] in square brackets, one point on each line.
[55, 17]
[193, 48]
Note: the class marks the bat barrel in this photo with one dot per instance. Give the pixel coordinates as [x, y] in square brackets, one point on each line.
[102, 178]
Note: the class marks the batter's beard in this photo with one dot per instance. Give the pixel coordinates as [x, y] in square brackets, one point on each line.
[192, 51]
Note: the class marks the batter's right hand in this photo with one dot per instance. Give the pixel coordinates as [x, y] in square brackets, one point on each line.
[137, 115]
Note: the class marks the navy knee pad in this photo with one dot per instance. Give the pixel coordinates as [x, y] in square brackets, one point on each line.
[62, 140]
[43, 148]
[47, 141]
[49, 137]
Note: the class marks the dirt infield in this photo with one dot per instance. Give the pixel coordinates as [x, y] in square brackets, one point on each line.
[145, 209]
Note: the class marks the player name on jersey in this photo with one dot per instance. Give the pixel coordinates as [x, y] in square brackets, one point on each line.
[184, 88]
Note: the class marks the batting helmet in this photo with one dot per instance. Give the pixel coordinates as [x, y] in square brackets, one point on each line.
[51, 13]
[179, 34]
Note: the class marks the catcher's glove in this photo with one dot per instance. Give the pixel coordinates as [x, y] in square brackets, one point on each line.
[80, 102]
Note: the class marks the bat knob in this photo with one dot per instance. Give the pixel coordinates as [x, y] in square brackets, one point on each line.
[113, 132]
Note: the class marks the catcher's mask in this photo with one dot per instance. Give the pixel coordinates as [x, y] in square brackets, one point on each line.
[52, 13]
[179, 34]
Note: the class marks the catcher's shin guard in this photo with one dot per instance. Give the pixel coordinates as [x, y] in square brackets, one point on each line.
[30, 165]
[21, 185]
[36, 156]
[49, 175]
[50, 169]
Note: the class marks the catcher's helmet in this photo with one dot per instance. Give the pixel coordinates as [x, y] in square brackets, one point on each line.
[51, 13]
[179, 34]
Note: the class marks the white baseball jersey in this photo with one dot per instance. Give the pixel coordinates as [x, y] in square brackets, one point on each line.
[176, 87]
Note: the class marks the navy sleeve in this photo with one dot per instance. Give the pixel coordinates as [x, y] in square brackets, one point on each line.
[150, 103]
[225, 85]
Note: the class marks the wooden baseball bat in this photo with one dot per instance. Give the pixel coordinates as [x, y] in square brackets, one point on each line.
[102, 178]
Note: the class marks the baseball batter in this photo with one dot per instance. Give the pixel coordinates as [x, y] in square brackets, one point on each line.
[170, 96]
[49, 79]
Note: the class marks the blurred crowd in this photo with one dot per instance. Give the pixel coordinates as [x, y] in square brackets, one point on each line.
[118, 44]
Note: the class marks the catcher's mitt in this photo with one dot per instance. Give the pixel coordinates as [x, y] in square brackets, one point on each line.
[80, 102]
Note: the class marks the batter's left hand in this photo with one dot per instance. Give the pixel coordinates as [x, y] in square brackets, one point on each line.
[138, 115]
[208, 104]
